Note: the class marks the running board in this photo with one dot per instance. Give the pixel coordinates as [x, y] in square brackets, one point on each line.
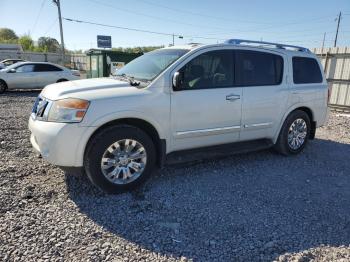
[216, 152]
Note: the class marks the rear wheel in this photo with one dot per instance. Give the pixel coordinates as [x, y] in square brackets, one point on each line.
[119, 158]
[294, 134]
[3, 87]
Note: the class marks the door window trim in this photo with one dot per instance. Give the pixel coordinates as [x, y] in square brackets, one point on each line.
[233, 50]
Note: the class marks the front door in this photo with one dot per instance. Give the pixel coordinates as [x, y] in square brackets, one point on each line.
[23, 77]
[206, 110]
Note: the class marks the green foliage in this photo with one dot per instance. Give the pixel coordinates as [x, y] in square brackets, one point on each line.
[7, 35]
[48, 44]
[138, 49]
[26, 42]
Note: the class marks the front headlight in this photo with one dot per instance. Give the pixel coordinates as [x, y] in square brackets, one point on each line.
[69, 110]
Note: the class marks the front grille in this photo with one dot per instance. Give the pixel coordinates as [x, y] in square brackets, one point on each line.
[39, 107]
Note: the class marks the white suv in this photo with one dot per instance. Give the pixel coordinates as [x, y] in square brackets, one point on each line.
[243, 93]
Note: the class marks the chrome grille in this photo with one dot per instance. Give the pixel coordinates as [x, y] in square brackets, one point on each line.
[39, 107]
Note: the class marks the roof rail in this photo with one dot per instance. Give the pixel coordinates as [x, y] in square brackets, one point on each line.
[280, 46]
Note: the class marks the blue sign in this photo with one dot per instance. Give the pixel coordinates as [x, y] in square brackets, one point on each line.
[104, 41]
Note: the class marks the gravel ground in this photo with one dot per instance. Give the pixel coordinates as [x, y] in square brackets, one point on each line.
[253, 207]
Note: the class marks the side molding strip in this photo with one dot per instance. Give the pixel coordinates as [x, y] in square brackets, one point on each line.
[207, 132]
[258, 125]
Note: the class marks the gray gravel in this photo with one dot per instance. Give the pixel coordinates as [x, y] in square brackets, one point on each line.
[253, 207]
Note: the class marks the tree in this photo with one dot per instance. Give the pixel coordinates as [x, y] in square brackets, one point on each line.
[26, 42]
[138, 49]
[48, 44]
[7, 35]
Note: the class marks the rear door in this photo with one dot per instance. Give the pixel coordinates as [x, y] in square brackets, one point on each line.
[23, 77]
[47, 74]
[207, 109]
[265, 91]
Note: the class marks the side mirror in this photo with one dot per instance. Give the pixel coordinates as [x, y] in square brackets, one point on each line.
[12, 71]
[177, 81]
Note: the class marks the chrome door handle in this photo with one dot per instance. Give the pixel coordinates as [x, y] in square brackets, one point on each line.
[233, 97]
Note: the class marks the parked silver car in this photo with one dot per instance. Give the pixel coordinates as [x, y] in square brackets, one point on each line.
[28, 75]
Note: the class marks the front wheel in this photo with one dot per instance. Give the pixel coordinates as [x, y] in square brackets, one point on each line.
[119, 158]
[294, 133]
[3, 87]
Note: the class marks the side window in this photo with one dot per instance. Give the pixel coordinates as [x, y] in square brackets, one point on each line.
[306, 71]
[25, 69]
[213, 69]
[255, 68]
[46, 68]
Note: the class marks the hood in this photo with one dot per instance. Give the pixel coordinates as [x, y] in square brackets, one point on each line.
[89, 89]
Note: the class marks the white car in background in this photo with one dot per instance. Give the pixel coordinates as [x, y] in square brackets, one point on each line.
[7, 62]
[30, 75]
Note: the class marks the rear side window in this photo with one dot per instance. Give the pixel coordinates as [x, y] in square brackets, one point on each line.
[46, 68]
[306, 71]
[257, 68]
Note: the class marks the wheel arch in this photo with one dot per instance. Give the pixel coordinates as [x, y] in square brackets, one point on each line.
[62, 80]
[145, 126]
[310, 114]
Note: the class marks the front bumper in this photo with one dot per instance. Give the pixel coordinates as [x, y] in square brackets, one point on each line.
[60, 144]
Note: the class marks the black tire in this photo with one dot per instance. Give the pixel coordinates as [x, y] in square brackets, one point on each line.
[282, 146]
[61, 80]
[3, 87]
[99, 144]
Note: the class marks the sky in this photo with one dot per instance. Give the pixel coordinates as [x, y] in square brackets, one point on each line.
[297, 22]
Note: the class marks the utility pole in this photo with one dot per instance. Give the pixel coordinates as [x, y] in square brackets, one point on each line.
[57, 2]
[336, 35]
[324, 38]
[179, 36]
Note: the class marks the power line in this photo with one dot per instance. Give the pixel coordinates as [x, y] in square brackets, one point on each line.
[223, 18]
[163, 19]
[119, 27]
[199, 14]
[51, 26]
[140, 30]
[37, 17]
[171, 34]
[201, 26]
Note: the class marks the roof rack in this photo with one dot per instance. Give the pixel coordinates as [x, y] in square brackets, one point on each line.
[280, 46]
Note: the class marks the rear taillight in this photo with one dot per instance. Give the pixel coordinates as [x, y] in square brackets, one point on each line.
[76, 73]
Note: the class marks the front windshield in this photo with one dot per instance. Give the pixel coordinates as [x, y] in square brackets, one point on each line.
[15, 65]
[150, 65]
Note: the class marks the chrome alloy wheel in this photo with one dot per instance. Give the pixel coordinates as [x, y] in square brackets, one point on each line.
[124, 161]
[297, 133]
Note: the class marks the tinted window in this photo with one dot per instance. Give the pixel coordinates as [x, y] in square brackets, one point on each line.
[25, 69]
[209, 70]
[306, 70]
[46, 68]
[258, 68]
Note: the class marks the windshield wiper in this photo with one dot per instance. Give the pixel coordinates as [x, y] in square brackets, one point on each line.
[130, 79]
